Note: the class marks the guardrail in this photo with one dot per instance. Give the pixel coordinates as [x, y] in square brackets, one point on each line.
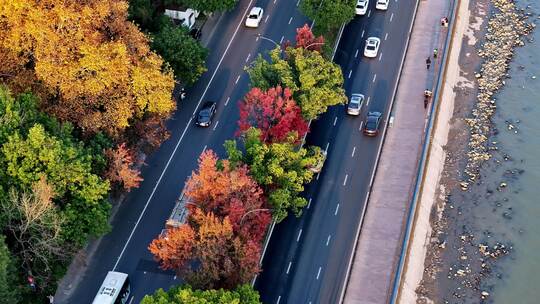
[424, 156]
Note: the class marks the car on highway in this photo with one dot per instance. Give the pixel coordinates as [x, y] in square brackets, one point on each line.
[254, 17]
[355, 104]
[373, 121]
[361, 7]
[204, 118]
[372, 47]
[382, 5]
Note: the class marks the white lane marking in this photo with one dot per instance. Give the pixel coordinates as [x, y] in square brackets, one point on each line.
[290, 20]
[374, 77]
[318, 273]
[257, 38]
[318, 174]
[275, 1]
[368, 99]
[298, 3]
[237, 78]
[326, 149]
[361, 124]
[353, 150]
[299, 234]
[278, 299]
[345, 180]
[392, 16]
[369, 13]
[204, 149]
[288, 268]
[335, 121]
[131, 301]
[215, 126]
[350, 73]
[356, 54]
[380, 56]
[281, 40]
[248, 56]
[337, 208]
[309, 203]
[363, 32]
[174, 278]
[328, 239]
[385, 36]
[227, 101]
[266, 19]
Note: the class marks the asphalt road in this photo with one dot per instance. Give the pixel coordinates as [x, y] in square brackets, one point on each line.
[142, 215]
[307, 257]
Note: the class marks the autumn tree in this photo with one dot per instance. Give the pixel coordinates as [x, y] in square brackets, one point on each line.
[121, 169]
[229, 192]
[89, 65]
[274, 112]
[281, 168]
[222, 260]
[174, 249]
[316, 83]
[185, 294]
[305, 39]
[34, 223]
[328, 15]
[184, 54]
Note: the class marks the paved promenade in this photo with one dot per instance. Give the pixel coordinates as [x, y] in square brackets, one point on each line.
[380, 241]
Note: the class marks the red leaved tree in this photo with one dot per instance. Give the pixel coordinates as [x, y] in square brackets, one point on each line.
[229, 192]
[175, 248]
[274, 112]
[306, 39]
[120, 169]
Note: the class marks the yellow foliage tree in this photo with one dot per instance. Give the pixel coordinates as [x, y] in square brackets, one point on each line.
[88, 63]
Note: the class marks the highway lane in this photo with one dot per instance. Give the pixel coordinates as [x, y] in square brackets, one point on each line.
[307, 258]
[143, 213]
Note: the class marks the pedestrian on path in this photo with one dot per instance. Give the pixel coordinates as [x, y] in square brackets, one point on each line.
[427, 96]
[435, 53]
[444, 22]
[428, 62]
[51, 299]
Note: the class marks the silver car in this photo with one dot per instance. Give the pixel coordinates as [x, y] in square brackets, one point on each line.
[355, 104]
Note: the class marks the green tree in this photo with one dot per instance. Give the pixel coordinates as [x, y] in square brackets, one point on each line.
[208, 5]
[67, 167]
[328, 14]
[184, 54]
[281, 168]
[316, 82]
[8, 290]
[243, 294]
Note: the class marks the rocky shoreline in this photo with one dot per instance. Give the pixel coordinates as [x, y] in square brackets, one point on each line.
[461, 261]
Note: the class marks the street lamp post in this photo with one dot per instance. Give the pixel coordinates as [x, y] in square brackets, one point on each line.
[314, 43]
[251, 211]
[268, 39]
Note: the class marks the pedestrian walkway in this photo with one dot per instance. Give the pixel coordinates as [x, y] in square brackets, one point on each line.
[378, 248]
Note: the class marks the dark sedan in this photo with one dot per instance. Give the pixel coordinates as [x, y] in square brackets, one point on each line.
[371, 128]
[204, 119]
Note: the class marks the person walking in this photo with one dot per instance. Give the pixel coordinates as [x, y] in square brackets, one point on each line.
[428, 62]
[435, 53]
[427, 96]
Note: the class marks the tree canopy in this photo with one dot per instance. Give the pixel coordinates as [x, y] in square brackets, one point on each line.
[316, 83]
[328, 15]
[243, 294]
[274, 113]
[209, 5]
[183, 53]
[281, 169]
[89, 65]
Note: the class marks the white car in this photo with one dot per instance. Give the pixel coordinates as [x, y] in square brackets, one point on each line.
[355, 104]
[382, 5]
[372, 47]
[255, 16]
[361, 7]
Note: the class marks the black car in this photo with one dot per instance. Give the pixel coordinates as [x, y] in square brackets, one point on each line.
[371, 128]
[204, 118]
[195, 33]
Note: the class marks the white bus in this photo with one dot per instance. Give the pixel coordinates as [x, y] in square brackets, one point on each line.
[114, 290]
